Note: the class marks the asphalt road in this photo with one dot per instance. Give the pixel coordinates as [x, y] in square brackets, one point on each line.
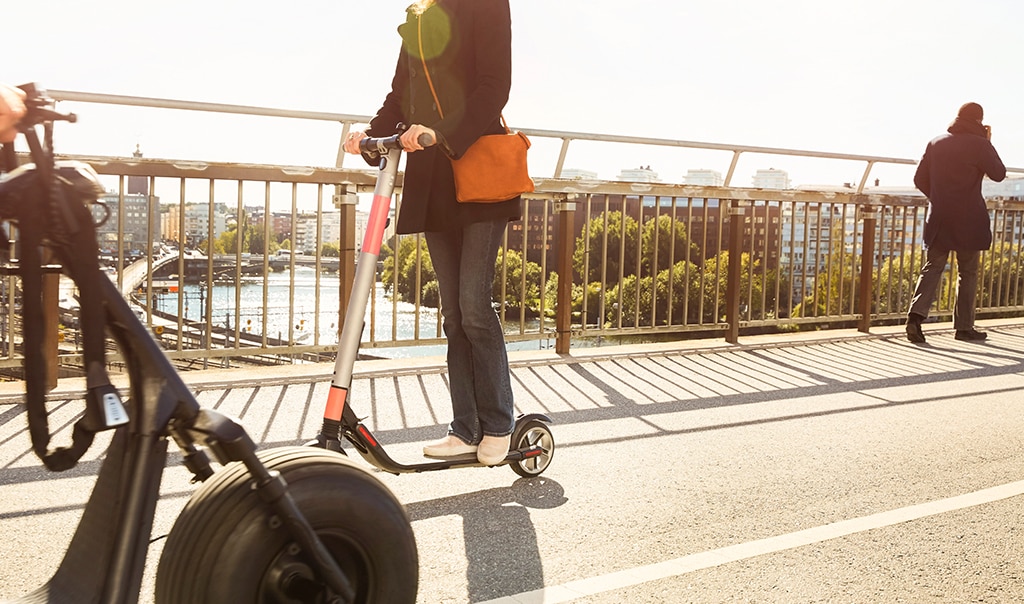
[834, 468]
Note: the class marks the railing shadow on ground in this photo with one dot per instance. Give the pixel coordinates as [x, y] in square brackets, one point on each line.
[643, 388]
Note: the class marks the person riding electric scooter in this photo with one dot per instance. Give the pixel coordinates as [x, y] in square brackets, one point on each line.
[533, 445]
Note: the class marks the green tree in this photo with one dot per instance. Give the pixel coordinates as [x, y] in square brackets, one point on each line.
[330, 250]
[630, 302]
[895, 281]
[666, 239]
[711, 288]
[714, 288]
[550, 295]
[226, 243]
[406, 279]
[651, 301]
[257, 243]
[622, 232]
[1001, 279]
[385, 252]
[594, 300]
[252, 241]
[678, 294]
[834, 291]
[522, 282]
[520, 292]
[777, 295]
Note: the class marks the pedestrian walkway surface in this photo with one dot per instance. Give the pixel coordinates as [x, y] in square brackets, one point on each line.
[824, 467]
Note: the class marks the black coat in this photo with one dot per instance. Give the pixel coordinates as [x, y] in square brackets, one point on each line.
[468, 47]
[950, 175]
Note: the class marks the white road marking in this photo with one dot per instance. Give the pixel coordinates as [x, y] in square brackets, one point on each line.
[742, 551]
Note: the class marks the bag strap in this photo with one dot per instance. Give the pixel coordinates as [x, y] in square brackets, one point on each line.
[430, 81]
[423, 59]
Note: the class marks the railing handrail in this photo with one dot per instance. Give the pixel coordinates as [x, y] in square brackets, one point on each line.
[160, 103]
[567, 137]
[363, 180]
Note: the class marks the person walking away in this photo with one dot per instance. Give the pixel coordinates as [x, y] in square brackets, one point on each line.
[467, 48]
[950, 175]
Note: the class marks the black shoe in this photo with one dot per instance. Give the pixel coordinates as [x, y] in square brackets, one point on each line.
[914, 333]
[970, 335]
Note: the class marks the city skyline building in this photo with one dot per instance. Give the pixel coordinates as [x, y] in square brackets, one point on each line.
[124, 220]
[1010, 188]
[771, 178]
[641, 174]
[703, 177]
[578, 174]
[197, 222]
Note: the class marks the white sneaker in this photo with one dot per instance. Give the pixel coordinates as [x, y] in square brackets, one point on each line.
[449, 446]
[493, 449]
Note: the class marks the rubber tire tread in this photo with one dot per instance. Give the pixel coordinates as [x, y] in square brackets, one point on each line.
[217, 550]
[517, 444]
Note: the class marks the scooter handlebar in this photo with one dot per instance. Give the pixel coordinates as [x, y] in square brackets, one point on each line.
[381, 146]
[40, 108]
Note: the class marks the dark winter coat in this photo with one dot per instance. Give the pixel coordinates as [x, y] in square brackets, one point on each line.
[950, 175]
[468, 47]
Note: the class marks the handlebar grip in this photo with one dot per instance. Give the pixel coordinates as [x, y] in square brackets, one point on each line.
[381, 146]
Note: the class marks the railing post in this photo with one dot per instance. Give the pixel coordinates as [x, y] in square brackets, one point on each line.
[732, 286]
[566, 211]
[345, 200]
[867, 266]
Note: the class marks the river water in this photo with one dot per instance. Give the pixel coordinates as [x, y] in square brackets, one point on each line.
[300, 312]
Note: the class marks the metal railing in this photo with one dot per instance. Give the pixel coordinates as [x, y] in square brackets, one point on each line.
[589, 262]
[564, 138]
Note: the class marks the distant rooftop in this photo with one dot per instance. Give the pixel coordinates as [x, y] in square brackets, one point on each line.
[641, 174]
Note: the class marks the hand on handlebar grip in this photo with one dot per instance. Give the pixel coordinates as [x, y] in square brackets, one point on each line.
[417, 137]
[425, 140]
[12, 109]
[352, 142]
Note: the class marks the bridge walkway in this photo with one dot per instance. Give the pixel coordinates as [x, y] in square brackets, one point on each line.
[820, 467]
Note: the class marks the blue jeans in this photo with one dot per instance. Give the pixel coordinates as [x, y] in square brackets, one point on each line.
[478, 372]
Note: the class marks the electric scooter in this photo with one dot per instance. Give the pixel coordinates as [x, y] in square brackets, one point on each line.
[284, 525]
[532, 444]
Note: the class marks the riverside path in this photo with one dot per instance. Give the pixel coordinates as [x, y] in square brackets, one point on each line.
[824, 467]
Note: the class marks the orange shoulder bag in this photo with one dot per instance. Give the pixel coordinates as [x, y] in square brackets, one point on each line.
[493, 169]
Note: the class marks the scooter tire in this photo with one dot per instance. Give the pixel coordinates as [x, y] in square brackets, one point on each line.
[529, 434]
[228, 546]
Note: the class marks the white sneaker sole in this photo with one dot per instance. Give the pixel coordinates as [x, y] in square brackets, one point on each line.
[446, 452]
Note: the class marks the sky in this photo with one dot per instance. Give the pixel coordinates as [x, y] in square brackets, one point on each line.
[871, 77]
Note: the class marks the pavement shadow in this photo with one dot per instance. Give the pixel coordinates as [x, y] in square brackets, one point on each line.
[500, 538]
[861, 368]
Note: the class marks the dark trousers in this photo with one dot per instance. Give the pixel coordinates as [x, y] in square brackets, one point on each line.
[966, 285]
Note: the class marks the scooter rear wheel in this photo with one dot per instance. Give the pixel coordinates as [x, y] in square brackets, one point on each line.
[533, 433]
[227, 546]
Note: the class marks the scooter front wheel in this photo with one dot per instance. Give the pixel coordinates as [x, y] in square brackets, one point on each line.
[227, 545]
[533, 433]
